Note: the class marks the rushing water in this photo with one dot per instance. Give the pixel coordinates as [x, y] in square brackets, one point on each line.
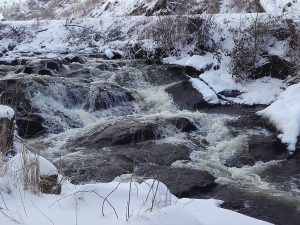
[63, 105]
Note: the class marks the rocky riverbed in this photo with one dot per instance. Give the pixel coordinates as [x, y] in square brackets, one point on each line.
[101, 120]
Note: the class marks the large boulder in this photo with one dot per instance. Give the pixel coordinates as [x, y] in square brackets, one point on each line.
[105, 95]
[131, 132]
[163, 154]
[182, 182]
[185, 96]
[260, 148]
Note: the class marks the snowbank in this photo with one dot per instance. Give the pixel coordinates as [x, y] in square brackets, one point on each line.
[260, 91]
[16, 164]
[199, 62]
[84, 204]
[279, 6]
[6, 112]
[285, 114]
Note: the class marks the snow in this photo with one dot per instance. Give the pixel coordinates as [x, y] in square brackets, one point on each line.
[109, 53]
[279, 6]
[6, 112]
[208, 94]
[16, 164]
[8, 59]
[260, 91]
[196, 61]
[284, 113]
[52, 56]
[83, 204]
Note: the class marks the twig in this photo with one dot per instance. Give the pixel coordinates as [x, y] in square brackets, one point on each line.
[108, 196]
[90, 191]
[10, 217]
[42, 213]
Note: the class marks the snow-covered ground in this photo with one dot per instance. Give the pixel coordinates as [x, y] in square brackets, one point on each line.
[115, 203]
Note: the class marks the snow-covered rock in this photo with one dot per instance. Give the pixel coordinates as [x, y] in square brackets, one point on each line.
[284, 113]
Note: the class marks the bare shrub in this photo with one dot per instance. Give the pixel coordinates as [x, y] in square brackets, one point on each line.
[175, 33]
[253, 41]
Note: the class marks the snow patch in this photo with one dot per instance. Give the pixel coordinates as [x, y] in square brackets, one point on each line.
[6, 112]
[285, 114]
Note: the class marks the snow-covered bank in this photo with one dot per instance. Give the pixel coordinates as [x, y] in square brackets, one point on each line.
[284, 113]
[212, 81]
[85, 204]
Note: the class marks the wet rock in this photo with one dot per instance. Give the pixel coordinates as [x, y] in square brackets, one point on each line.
[183, 124]
[120, 134]
[106, 95]
[131, 132]
[276, 67]
[230, 93]
[50, 185]
[105, 164]
[95, 168]
[74, 59]
[182, 182]
[163, 154]
[260, 148]
[9, 61]
[30, 126]
[285, 173]
[28, 70]
[186, 97]
[274, 209]
[3, 50]
[250, 121]
[53, 65]
[11, 46]
[45, 72]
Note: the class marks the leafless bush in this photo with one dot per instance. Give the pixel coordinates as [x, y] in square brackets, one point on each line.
[253, 41]
[78, 34]
[175, 33]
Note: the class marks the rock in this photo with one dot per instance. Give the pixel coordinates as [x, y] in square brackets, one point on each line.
[28, 70]
[186, 97]
[163, 154]
[50, 185]
[260, 148]
[183, 124]
[74, 59]
[105, 95]
[182, 182]
[30, 126]
[9, 61]
[131, 132]
[275, 67]
[45, 72]
[120, 134]
[260, 205]
[3, 49]
[12, 45]
[95, 168]
[230, 93]
[53, 65]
